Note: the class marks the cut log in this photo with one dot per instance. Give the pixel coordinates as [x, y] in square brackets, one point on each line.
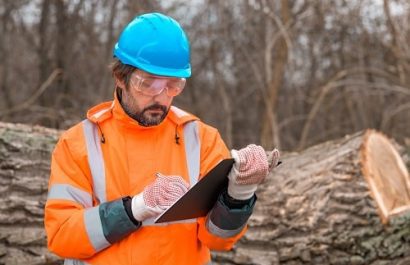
[317, 207]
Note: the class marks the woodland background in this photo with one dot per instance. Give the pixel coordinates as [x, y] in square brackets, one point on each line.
[280, 73]
[284, 73]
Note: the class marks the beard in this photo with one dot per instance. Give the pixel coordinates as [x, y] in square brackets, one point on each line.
[144, 118]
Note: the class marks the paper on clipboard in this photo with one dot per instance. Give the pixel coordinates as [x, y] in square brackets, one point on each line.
[201, 197]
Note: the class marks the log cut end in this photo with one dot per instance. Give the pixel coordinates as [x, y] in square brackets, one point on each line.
[387, 176]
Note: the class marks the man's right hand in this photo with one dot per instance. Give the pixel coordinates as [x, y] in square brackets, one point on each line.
[158, 196]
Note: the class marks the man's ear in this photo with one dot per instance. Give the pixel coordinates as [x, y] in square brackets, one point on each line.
[119, 83]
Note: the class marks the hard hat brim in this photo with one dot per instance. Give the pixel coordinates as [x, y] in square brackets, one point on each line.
[149, 68]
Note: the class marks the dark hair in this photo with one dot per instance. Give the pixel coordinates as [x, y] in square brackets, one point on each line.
[122, 71]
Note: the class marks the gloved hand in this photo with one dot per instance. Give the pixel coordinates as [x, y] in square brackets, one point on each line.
[251, 167]
[158, 196]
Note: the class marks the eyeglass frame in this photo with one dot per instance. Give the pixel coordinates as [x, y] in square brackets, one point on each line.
[138, 74]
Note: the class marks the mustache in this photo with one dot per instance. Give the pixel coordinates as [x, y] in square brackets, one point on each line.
[155, 107]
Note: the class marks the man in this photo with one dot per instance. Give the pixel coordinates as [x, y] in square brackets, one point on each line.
[113, 173]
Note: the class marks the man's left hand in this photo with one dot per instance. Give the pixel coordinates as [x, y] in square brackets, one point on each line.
[252, 165]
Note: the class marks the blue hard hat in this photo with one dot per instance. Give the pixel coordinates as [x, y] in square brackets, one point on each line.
[156, 44]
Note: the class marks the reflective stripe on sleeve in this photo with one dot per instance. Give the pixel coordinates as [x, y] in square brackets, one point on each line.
[213, 229]
[71, 193]
[74, 262]
[94, 228]
[224, 222]
[192, 150]
[95, 159]
[107, 223]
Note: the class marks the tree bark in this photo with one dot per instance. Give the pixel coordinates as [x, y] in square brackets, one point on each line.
[316, 208]
[24, 170]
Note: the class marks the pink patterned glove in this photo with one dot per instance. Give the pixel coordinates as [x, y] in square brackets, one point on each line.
[158, 196]
[251, 167]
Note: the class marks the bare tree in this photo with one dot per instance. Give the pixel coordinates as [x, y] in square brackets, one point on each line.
[278, 73]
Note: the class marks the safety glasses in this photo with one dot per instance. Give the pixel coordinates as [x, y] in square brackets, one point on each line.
[151, 85]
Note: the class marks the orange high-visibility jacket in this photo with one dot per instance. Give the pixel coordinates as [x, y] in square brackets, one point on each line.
[109, 156]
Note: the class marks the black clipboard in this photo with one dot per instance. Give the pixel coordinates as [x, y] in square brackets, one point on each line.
[200, 199]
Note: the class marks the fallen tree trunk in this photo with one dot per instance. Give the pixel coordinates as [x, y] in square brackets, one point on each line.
[25, 154]
[316, 209]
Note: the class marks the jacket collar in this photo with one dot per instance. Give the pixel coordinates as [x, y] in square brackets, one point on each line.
[113, 109]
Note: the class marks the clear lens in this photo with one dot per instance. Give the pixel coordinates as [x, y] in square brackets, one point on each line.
[154, 85]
